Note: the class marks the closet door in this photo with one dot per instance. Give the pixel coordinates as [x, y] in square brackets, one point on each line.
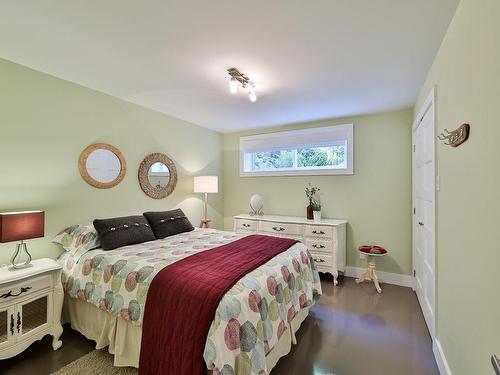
[424, 177]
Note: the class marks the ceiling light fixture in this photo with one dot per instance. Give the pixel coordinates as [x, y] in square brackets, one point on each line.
[244, 81]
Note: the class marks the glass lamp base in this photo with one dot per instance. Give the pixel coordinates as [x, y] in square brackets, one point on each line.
[18, 255]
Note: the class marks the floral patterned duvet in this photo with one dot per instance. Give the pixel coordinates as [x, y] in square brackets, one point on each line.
[250, 318]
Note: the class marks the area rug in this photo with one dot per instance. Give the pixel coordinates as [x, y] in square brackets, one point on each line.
[96, 362]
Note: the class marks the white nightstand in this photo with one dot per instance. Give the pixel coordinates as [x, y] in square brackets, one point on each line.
[30, 306]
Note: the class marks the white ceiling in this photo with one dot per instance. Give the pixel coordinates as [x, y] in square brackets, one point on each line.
[309, 59]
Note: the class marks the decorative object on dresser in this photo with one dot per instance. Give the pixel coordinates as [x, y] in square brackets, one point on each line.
[157, 176]
[20, 226]
[256, 204]
[326, 241]
[31, 301]
[316, 206]
[206, 184]
[371, 273]
[102, 165]
[312, 194]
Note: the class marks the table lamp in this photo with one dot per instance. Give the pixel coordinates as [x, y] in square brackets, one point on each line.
[20, 226]
[206, 184]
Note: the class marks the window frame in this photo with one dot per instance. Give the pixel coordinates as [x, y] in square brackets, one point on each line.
[333, 133]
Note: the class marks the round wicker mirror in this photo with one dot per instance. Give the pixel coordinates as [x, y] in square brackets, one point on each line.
[157, 176]
[102, 165]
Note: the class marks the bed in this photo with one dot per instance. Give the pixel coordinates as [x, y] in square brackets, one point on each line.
[254, 324]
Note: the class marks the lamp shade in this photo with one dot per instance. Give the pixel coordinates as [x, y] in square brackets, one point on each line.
[19, 226]
[206, 184]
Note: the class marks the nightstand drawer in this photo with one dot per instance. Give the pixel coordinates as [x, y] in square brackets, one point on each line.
[247, 225]
[22, 288]
[281, 228]
[320, 231]
[322, 260]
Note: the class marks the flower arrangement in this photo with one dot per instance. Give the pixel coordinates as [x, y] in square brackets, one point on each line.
[311, 192]
[316, 204]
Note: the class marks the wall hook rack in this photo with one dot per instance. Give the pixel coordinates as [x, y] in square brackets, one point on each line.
[456, 137]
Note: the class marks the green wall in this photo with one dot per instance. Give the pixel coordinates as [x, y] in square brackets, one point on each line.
[466, 73]
[46, 122]
[376, 200]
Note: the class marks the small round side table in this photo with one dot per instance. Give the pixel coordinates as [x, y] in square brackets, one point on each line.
[371, 274]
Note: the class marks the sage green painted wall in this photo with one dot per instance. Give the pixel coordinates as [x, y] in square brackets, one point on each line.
[46, 122]
[466, 73]
[376, 200]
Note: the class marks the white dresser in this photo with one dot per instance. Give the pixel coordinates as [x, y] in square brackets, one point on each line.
[30, 306]
[326, 240]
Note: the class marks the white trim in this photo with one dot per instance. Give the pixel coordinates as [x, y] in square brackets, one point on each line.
[384, 277]
[425, 107]
[444, 368]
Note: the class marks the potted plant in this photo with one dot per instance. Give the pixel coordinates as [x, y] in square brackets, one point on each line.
[311, 194]
[316, 206]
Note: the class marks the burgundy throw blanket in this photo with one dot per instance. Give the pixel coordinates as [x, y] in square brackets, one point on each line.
[183, 298]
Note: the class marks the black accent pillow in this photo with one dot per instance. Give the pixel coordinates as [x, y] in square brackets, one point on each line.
[123, 231]
[168, 223]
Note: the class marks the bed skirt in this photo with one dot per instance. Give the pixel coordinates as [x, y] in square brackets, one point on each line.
[123, 339]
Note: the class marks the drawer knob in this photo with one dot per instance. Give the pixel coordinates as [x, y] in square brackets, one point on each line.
[318, 232]
[280, 229]
[319, 260]
[10, 294]
[318, 246]
[246, 225]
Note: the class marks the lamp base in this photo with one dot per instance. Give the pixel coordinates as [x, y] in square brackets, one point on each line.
[20, 248]
[205, 223]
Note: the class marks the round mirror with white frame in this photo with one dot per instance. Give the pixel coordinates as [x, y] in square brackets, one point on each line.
[102, 165]
[157, 176]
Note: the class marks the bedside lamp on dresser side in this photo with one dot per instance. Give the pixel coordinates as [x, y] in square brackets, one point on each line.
[21, 226]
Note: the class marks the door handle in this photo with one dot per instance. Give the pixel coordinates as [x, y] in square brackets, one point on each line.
[420, 223]
[496, 364]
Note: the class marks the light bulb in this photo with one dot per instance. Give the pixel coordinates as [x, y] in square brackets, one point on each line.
[233, 86]
[251, 93]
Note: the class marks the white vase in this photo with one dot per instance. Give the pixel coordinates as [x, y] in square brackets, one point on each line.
[317, 216]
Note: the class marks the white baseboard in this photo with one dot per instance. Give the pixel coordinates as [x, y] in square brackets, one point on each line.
[385, 277]
[444, 368]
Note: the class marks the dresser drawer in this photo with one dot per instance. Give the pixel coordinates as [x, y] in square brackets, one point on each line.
[283, 229]
[22, 288]
[322, 260]
[246, 225]
[318, 231]
[319, 246]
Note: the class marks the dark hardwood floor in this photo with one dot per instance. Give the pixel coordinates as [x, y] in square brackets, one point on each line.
[351, 331]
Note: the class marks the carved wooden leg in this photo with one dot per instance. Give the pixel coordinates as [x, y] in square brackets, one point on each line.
[58, 304]
[375, 281]
[335, 277]
[373, 274]
[363, 277]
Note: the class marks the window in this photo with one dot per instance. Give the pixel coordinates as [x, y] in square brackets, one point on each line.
[326, 150]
